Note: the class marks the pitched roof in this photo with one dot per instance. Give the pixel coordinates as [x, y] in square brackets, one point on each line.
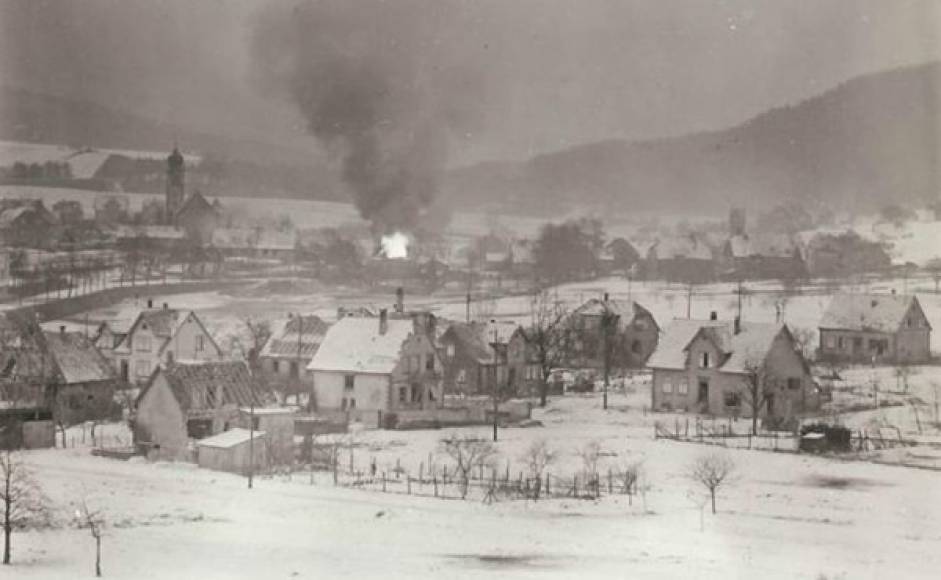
[355, 345]
[231, 378]
[477, 337]
[77, 358]
[627, 310]
[752, 343]
[298, 336]
[230, 438]
[195, 202]
[689, 247]
[877, 312]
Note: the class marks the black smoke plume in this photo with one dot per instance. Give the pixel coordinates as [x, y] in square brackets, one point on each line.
[385, 86]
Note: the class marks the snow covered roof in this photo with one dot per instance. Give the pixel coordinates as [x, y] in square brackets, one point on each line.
[77, 358]
[354, 345]
[249, 238]
[749, 346]
[154, 232]
[689, 247]
[298, 336]
[878, 312]
[230, 438]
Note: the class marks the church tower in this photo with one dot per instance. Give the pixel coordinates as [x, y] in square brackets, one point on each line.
[175, 172]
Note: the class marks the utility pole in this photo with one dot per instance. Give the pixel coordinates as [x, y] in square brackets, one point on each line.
[739, 291]
[251, 432]
[607, 318]
[496, 381]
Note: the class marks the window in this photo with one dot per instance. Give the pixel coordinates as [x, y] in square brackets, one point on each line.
[732, 399]
[857, 343]
[275, 366]
[462, 376]
[704, 360]
[403, 394]
[793, 384]
[200, 343]
[211, 397]
[294, 369]
[142, 344]
[430, 362]
[416, 393]
[352, 403]
[635, 347]
[348, 381]
[142, 368]
[682, 387]
[667, 386]
[839, 343]
[451, 350]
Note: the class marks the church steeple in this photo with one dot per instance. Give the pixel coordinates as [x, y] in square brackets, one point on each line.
[175, 184]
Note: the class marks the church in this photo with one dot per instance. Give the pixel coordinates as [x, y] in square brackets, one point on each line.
[193, 214]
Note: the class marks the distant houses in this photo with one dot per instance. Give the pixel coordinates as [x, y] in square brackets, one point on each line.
[875, 328]
[284, 358]
[631, 337]
[474, 358]
[705, 366]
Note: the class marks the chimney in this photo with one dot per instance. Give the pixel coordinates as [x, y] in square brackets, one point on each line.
[62, 329]
[166, 306]
[737, 325]
[605, 296]
[383, 321]
[150, 303]
[399, 300]
[713, 315]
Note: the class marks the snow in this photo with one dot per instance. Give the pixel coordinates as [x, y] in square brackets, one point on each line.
[783, 516]
[356, 345]
[230, 438]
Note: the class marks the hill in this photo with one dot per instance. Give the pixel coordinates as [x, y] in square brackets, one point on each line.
[872, 139]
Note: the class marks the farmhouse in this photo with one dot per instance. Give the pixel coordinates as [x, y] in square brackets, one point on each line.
[160, 335]
[706, 367]
[772, 256]
[373, 369]
[632, 337]
[867, 328]
[685, 259]
[293, 343]
[87, 381]
[190, 400]
[473, 364]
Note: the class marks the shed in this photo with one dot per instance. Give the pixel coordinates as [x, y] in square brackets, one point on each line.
[232, 450]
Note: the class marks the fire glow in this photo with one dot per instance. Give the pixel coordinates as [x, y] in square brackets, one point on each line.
[395, 245]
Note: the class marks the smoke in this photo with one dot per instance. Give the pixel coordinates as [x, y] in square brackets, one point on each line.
[385, 86]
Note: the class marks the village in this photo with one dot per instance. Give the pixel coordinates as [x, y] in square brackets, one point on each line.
[442, 371]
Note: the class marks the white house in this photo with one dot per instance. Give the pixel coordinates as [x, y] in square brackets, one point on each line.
[372, 368]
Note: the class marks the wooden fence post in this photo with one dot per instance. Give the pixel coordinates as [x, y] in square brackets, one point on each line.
[610, 482]
[383, 482]
[547, 485]
[408, 480]
[434, 481]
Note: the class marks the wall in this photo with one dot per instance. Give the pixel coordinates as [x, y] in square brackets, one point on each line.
[183, 345]
[160, 422]
[371, 391]
[233, 459]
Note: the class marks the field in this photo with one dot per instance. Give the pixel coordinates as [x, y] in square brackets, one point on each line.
[783, 516]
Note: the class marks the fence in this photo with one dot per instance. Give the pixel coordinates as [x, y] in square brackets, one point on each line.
[724, 434]
[484, 481]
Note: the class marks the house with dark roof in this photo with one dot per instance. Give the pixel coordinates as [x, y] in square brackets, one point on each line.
[883, 328]
[86, 381]
[198, 218]
[687, 259]
[285, 355]
[161, 335]
[184, 401]
[705, 366]
[762, 257]
[632, 337]
[26, 224]
[474, 358]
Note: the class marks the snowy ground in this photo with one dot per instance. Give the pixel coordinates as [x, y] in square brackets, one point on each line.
[784, 516]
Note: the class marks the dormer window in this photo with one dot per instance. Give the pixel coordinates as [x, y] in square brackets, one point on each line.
[704, 360]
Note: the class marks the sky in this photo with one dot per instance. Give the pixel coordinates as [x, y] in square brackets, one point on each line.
[555, 73]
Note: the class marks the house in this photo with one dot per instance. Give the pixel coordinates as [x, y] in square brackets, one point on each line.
[866, 328]
[26, 223]
[772, 256]
[184, 401]
[632, 339]
[235, 451]
[618, 256]
[86, 379]
[198, 218]
[372, 369]
[474, 361]
[686, 259]
[284, 357]
[525, 371]
[706, 367]
[161, 335]
[837, 254]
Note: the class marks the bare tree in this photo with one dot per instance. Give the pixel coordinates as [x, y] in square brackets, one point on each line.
[467, 453]
[258, 331]
[590, 454]
[93, 521]
[630, 478]
[755, 392]
[23, 501]
[712, 471]
[804, 337]
[538, 456]
[549, 337]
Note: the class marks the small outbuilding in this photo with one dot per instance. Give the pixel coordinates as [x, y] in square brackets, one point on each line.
[232, 451]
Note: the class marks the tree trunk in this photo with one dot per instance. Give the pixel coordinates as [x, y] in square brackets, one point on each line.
[7, 516]
[754, 422]
[98, 556]
[712, 494]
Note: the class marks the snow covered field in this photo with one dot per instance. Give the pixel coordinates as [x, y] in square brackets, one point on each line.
[784, 516]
